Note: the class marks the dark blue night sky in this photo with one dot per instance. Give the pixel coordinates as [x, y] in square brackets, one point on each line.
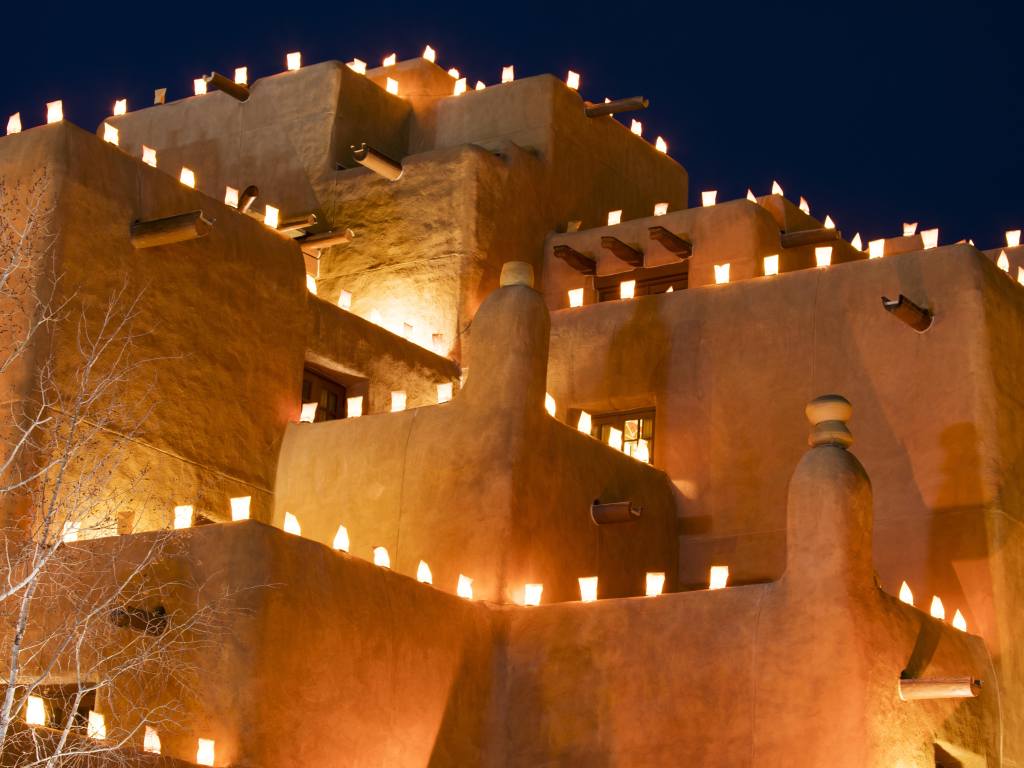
[876, 114]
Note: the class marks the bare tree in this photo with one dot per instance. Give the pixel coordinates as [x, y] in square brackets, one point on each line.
[99, 631]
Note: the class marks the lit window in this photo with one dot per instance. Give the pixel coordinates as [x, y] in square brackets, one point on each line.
[635, 431]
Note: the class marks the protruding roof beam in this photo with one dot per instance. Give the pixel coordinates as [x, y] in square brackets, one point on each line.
[631, 104]
[620, 250]
[670, 242]
[614, 512]
[915, 689]
[379, 163]
[170, 229]
[810, 237]
[313, 244]
[238, 91]
[918, 318]
[293, 223]
[578, 261]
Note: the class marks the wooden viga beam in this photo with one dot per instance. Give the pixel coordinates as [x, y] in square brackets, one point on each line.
[672, 243]
[923, 688]
[810, 237]
[227, 85]
[614, 512]
[631, 104]
[294, 223]
[313, 244]
[578, 261]
[620, 250]
[378, 162]
[918, 318]
[170, 229]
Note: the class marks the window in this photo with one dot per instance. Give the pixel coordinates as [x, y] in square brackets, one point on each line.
[328, 395]
[649, 280]
[636, 428]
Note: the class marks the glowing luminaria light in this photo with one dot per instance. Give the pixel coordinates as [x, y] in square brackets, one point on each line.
[1020, 275]
[398, 400]
[35, 711]
[381, 557]
[636, 127]
[70, 532]
[291, 524]
[588, 588]
[358, 66]
[508, 74]
[573, 80]
[642, 451]
[354, 407]
[829, 224]
[54, 111]
[430, 54]
[240, 507]
[423, 574]
[454, 73]
[576, 297]
[444, 392]
[96, 727]
[1003, 262]
[930, 238]
[293, 61]
[183, 516]
[480, 85]
[205, 752]
[121, 107]
[460, 87]
[149, 158]
[660, 209]
[721, 273]
[708, 198]
[187, 177]
[14, 124]
[199, 86]
[804, 205]
[777, 189]
[345, 300]
[1012, 238]
[823, 255]
[532, 594]
[110, 134]
[771, 265]
[341, 542]
[938, 610]
[391, 86]
[311, 284]
[614, 217]
[655, 583]
[856, 242]
[272, 217]
[751, 196]
[376, 318]
[151, 741]
[959, 622]
[584, 424]
[906, 596]
[718, 577]
[876, 249]
[390, 60]
[627, 288]
[549, 403]
[231, 197]
[308, 414]
[661, 145]
[615, 438]
[909, 228]
[465, 587]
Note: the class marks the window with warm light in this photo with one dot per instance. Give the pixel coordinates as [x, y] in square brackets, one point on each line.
[635, 429]
[330, 396]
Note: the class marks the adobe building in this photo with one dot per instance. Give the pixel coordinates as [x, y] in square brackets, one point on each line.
[465, 351]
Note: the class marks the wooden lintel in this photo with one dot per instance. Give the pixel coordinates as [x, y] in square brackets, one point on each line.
[810, 237]
[170, 229]
[672, 243]
[620, 250]
[578, 261]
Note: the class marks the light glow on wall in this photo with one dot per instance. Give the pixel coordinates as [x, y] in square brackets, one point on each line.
[391, 86]
[660, 209]
[708, 198]
[110, 134]
[906, 596]
[358, 66]
[444, 392]
[909, 228]
[1020, 275]
[293, 61]
[584, 424]
[1003, 262]
[627, 288]
[241, 75]
[575, 297]
[354, 407]
[661, 145]
[777, 189]
[308, 413]
[829, 224]
[291, 524]
[549, 403]
[54, 111]
[856, 243]
[718, 577]
[14, 124]
[959, 622]
[183, 514]
[149, 157]
[532, 594]
[636, 127]
[120, 107]
[96, 727]
[615, 438]
[614, 217]
[465, 587]
[588, 588]
[423, 574]
[876, 249]
[206, 749]
[240, 507]
[231, 197]
[381, 557]
[937, 610]
[345, 300]
[341, 542]
[460, 87]
[311, 284]
[804, 205]
[398, 400]
[151, 741]
[1012, 238]
[508, 74]
[655, 583]
[930, 238]
[390, 60]
[187, 177]
[721, 273]
[823, 255]
[70, 531]
[198, 86]
[35, 710]
[771, 265]
[272, 217]
[430, 54]
[573, 80]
